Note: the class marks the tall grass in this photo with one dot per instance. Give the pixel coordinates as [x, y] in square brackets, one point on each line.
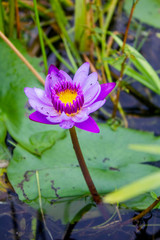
[40, 36]
[1, 17]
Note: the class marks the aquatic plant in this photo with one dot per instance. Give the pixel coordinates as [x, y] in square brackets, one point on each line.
[69, 102]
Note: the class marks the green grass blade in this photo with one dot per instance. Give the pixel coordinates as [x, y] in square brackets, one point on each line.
[145, 148]
[80, 21]
[11, 17]
[1, 18]
[145, 74]
[70, 54]
[61, 59]
[62, 22]
[40, 36]
[134, 189]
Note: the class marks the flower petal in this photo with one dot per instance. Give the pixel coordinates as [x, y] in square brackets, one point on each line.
[42, 107]
[106, 88]
[89, 125]
[90, 81]
[39, 101]
[53, 69]
[42, 96]
[91, 94]
[59, 118]
[81, 116]
[81, 74]
[95, 106]
[67, 77]
[56, 119]
[37, 93]
[38, 117]
[66, 124]
[51, 79]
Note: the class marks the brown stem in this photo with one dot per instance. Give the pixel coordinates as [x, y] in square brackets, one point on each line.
[147, 210]
[119, 88]
[129, 22]
[119, 224]
[86, 174]
[123, 63]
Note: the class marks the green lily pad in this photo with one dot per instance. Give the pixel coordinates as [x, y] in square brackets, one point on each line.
[147, 11]
[4, 152]
[13, 102]
[108, 158]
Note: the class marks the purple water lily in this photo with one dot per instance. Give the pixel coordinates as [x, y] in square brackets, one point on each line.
[68, 102]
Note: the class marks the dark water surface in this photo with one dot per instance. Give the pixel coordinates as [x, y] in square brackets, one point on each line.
[18, 221]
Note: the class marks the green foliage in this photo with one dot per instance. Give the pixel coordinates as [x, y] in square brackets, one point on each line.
[11, 17]
[134, 189]
[63, 24]
[110, 165]
[14, 77]
[4, 153]
[80, 21]
[40, 36]
[48, 149]
[147, 11]
[142, 70]
[145, 148]
[1, 17]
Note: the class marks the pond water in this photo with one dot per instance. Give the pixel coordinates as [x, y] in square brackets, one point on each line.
[19, 221]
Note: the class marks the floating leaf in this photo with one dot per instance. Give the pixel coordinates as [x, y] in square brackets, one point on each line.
[13, 102]
[4, 152]
[150, 15]
[108, 158]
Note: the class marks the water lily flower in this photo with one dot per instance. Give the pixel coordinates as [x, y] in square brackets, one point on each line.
[69, 102]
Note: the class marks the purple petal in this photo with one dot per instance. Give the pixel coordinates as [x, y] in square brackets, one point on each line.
[53, 68]
[37, 94]
[91, 94]
[81, 74]
[106, 88]
[67, 77]
[89, 125]
[90, 81]
[51, 79]
[66, 124]
[56, 119]
[81, 116]
[39, 101]
[96, 106]
[42, 108]
[59, 118]
[38, 117]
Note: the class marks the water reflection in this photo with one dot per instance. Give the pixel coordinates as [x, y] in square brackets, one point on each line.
[18, 221]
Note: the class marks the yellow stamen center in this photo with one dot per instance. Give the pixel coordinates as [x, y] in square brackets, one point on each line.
[67, 96]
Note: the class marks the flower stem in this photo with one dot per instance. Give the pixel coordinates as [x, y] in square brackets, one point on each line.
[84, 169]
